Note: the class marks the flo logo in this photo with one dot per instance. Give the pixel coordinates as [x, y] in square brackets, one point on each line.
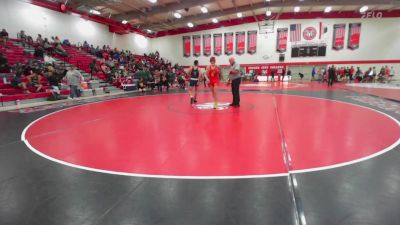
[210, 106]
[309, 33]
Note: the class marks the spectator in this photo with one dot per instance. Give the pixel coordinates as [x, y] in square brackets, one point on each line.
[17, 83]
[392, 73]
[39, 52]
[34, 80]
[4, 67]
[56, 40]
[47, 46]
[86, 45]
[74, 78]
[3, 37]
[22, 36]
[53, 80]
[313, 72]
[66, 42]
[39, 40]
[60, 50]
[106, 70]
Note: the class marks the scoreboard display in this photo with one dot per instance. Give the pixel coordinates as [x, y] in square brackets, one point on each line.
[308, 51]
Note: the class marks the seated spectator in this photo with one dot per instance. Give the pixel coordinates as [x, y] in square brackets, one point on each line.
[47, 46]
[53, 80]
[39, 52]
[3, 37]
[17, 83]
[39, 40]
[66, 42]
[85, 45]
[34, 80]
[141, 85]
[56, 40]
[60, 50]
[22, 36]
[4, 67]
[106, 70]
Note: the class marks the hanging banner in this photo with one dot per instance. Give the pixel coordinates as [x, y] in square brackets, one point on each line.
[229, 43]
[339, 31]
[252, 42]
[217, 44]
[186, 46]
[353, 41]
[240, 42]
[196, 45]
[206, 44]
[281, 39]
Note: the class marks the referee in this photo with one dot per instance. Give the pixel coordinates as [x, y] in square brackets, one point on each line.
[234, 79]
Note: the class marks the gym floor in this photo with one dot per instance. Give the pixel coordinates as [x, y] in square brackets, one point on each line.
[293, 153]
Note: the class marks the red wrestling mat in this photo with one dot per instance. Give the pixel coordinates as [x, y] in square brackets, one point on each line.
[164, 135]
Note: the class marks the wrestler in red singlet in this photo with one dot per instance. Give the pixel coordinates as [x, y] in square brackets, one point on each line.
[213, 75]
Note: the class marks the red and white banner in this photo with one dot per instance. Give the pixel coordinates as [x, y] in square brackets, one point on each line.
[339, 32]
[217, 44]
[353, 41]
[265, 70]
[229, 43]
[252, 42]
[186, 46]
[240, 42]
[206, 44]
[196, 45]
[322, 30]
[281, 39]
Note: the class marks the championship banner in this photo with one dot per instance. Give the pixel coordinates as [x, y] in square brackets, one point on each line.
[252, 42]
[196, 45]
[206, 44]
[229, 43]
[217, 44]
[339, 31]
[240, 42]
[281, 39]
[186, 46]
[353, 41]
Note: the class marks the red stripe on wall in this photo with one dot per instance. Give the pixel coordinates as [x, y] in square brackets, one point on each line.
[315, 63]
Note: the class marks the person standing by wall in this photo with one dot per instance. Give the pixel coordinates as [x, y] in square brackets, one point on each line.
[235, 80]
[331, 76]
[313, 72]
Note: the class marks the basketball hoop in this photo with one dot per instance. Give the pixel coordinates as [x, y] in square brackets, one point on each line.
[266, 27]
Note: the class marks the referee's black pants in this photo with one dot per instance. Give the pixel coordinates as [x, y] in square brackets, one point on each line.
[235, 91]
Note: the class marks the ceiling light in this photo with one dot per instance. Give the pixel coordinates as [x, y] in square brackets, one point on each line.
[124, 22]
[267, 0]
[215, 20]
[328, 9]
[268, 13]
[177, 15]
[239, 14]
[190, 25]
[153, 1]
[95, 12]
[297, 9]
[363, 9]
[204, 9]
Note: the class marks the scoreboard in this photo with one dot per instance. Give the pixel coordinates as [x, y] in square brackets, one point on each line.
[308, 50]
